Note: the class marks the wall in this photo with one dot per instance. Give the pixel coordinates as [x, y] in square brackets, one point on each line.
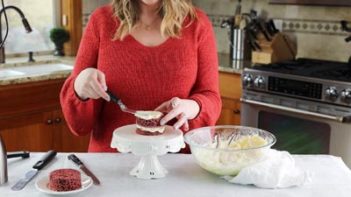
[316, 29]
[89, 6]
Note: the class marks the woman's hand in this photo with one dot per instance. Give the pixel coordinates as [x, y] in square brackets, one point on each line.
[182, 109]
[91, 83]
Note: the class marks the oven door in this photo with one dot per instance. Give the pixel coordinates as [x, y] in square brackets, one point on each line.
[299, 131]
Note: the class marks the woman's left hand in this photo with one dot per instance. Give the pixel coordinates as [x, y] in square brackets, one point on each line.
[181, 109]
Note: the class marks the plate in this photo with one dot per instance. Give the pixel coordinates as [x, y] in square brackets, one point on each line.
[42, 185]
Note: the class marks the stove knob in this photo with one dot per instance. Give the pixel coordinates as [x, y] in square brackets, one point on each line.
[259, 82]
[247, 80]
[331, 93]
[346, 95]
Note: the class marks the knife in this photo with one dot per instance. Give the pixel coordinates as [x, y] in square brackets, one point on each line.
[31, 174]
[252, 41]
[23, 154]
[272, 26]
[262, 29]
[81, 165]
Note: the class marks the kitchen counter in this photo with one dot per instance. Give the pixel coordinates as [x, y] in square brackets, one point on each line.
[36, 71]
[10, 77]
[330, 177]
[228, 66]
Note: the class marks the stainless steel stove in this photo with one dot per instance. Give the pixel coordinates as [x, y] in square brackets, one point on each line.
[306, 103]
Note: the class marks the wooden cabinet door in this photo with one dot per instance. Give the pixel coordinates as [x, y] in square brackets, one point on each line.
[34, 133]
[64, 140]
[230, 85]
[230, 114]
[230, 88]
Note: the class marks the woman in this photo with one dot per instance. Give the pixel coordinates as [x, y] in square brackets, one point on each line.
[153, 54]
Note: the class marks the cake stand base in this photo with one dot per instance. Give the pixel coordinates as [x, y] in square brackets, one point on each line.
[149, 167]
[126, 140]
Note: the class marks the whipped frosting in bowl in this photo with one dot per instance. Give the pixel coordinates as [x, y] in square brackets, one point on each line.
[225, 150]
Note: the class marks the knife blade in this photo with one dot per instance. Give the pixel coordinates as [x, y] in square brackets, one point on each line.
[35, 170]
[81, 165]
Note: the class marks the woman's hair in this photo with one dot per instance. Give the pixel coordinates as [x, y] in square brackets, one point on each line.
[173, 13]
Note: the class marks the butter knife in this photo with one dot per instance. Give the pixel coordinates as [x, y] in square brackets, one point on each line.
[36, 168]
[81, 165]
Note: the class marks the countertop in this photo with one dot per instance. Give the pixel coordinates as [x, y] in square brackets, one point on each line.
[225, 65]
[330, 177]
[229, 66]
[20, 62]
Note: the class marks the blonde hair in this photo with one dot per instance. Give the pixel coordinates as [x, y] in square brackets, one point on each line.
[173, 13]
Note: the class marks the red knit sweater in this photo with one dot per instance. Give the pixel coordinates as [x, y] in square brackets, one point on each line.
[143, 77]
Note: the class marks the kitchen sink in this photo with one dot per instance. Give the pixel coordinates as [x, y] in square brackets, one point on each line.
[9, 73]
[34, 70]
[43, 68]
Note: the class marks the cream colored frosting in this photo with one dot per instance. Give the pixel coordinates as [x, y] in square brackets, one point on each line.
[159, 129]
[148, 115]
[231, 162]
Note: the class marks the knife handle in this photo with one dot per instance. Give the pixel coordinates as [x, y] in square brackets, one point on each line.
[23, 154]
[113, 97]
[45, 160]
[75, 159]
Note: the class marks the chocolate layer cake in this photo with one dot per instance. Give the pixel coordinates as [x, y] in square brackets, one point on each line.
[148, 123]
[65, 180]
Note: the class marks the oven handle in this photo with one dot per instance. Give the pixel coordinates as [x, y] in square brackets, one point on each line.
[343, 119]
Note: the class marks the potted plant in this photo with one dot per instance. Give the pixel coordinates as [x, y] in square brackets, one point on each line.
[59, 36]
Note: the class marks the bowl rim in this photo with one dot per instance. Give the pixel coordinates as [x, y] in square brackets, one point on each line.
[186, 138]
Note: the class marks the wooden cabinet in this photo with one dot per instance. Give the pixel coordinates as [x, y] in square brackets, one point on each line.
[31, 119]
[67, 141]
[230, 89]
[230, 114]
[32, 132]
[71, 12]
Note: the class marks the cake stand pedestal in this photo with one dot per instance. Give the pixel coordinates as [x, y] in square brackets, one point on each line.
[125, 140]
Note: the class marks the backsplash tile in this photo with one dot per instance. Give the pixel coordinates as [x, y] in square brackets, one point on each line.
[316, 29]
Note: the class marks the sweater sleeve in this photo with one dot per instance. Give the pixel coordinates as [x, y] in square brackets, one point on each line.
[81, 115]
[206, 89]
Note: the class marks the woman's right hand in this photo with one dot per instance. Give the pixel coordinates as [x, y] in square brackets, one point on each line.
[91, 83]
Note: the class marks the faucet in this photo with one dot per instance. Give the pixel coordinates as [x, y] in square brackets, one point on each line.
[25, 24]
[3, 163]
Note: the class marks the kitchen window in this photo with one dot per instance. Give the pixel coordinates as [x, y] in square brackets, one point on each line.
[41, 15]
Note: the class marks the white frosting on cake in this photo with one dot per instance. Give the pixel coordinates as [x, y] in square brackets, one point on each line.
[159, 129]
[148, 115]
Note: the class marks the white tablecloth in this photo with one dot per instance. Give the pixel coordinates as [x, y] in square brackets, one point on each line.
[330, 177]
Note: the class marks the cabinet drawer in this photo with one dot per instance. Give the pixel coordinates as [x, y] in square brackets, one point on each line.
[230, 114]
[230, 85]
[29, 97]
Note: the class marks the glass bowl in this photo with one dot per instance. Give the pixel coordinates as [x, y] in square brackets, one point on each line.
[225, 150]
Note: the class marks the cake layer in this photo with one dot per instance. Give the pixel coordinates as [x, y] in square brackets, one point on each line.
[65, 180]
[159, 129]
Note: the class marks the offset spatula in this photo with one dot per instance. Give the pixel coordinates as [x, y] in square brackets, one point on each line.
[118, 101]
[35, 170]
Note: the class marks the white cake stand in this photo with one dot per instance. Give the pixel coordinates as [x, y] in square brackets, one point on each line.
[126, 140]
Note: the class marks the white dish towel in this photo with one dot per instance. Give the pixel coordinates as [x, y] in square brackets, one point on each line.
[277, 171]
